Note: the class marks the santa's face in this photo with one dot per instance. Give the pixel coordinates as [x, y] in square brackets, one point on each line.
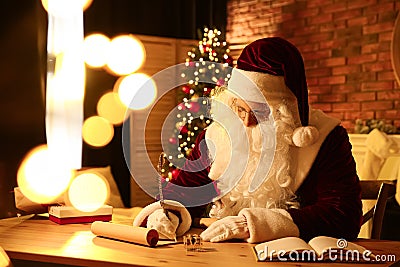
[251, 113]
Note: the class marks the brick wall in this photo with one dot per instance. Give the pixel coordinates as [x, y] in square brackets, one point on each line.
[345, 45]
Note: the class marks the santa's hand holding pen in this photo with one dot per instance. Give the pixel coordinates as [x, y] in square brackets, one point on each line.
[175, 222]
[165, 223]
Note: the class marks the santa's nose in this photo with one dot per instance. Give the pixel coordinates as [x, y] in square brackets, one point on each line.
[249, 120]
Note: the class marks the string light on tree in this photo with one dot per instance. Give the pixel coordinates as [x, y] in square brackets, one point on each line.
[193, 108]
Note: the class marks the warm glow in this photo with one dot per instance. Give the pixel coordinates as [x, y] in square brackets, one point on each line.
[65, 83]
[95, 50]
[63, 5]
[68, 65]
[41, 177]
[111, 108]
[88, 192]
[97, 131]
[126, 55]
[136, 91]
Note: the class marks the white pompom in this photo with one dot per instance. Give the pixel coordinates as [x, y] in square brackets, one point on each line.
[305, 136]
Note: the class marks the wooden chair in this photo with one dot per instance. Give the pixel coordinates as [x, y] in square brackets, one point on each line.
[381, 190]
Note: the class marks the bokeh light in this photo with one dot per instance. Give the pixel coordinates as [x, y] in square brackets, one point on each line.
[41, 177]
[136, 91]
[95, 50]
[111, 108]
[61, 6]
[88, 192]
[97, 131]
[126, 55]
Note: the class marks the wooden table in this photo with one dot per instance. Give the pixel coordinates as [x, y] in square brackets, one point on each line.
[39, 240]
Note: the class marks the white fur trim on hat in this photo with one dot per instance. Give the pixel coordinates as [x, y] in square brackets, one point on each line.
[185, 222]
[243, 83]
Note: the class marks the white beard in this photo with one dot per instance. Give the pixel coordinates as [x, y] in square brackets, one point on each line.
[250, 174]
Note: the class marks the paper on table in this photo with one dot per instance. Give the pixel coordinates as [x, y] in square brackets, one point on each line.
[134, 234]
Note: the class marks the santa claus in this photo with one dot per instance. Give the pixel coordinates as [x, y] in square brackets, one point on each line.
[276, 167]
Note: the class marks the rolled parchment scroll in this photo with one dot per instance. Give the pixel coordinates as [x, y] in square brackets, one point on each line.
[134, 234]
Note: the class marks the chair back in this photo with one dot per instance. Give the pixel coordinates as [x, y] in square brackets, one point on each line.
[381, 190]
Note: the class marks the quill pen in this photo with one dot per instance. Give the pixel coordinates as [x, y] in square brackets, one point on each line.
[161, 161]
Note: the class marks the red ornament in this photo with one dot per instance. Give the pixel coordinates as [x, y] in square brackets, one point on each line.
[229, 60]
[183, 129]
[194, 107]
[207, 90]
[173, 140]
[181, 106]
[174, 173]
[186, 89]
[220, 82]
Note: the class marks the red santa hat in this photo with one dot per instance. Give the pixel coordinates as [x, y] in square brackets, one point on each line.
[272, 70]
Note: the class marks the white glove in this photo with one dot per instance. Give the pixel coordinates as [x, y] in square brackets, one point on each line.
[226, 228]
[166, 226]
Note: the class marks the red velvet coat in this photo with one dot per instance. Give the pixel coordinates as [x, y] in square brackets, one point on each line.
[330, 196]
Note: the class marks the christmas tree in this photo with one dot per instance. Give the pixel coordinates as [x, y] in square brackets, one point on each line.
[208, 66]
